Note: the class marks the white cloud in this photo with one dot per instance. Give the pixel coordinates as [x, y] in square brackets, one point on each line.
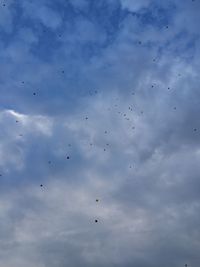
[16, 130]
[135, 5]
[41, 12]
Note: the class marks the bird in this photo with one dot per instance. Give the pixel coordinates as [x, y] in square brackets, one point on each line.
[34, 93]
[96, 221]
[97, 200]
[67, 157]
[41, 185]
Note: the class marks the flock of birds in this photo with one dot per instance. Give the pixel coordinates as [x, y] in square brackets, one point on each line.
[125, 115]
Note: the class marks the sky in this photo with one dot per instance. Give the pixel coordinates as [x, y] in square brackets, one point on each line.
[99, 133]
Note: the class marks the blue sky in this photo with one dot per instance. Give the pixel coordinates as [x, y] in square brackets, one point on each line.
[99, 100]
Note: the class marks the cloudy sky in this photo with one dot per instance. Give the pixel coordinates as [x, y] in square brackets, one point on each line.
[99, 100]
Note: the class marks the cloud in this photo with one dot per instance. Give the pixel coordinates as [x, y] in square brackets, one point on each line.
[100, 100]
[135, 5]
[42, 13]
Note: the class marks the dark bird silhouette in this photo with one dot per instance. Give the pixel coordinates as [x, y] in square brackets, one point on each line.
[97, 200]
[41, 185]
[67, 157]
[96, 221]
